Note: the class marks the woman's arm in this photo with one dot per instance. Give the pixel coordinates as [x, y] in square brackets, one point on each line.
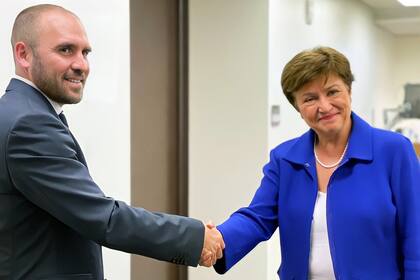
[250, 225]
[405, 181]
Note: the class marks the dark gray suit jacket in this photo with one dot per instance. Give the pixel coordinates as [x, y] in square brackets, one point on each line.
[54, 218]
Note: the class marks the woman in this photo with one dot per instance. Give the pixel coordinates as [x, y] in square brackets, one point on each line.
[345, 195]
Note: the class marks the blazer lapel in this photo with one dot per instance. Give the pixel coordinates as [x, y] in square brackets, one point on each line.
[34, 95]
[79, 152]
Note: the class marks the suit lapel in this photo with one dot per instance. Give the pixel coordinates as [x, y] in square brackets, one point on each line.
[20, 87]
[79, 152]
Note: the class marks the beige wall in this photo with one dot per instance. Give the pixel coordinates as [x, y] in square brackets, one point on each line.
[228, 115]
[407, 66]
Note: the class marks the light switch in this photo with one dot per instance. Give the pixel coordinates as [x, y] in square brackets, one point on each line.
[275, 115]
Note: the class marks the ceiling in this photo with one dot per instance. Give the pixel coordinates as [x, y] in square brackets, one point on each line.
[394, 17]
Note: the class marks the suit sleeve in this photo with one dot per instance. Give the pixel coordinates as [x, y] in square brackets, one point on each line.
[43, 166]
[405, 181]
[250, 225]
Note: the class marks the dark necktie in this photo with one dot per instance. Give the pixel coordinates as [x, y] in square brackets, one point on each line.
[78, 149]
[63, 119]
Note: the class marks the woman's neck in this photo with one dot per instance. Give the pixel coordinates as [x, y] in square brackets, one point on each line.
[331, 144]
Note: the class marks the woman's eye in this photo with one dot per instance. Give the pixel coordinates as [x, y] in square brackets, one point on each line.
[332, 92]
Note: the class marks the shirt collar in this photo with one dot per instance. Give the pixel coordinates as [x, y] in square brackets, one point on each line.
[360, 144]
[58, 108]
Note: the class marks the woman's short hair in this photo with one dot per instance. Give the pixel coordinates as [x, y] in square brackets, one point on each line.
[311, 64]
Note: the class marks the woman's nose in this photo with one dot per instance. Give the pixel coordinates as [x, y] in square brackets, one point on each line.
[324, 105]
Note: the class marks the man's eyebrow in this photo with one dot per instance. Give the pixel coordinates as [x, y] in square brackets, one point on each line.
[65, 45]
[73, 46]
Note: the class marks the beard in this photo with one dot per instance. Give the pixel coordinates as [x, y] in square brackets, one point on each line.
[52, 85]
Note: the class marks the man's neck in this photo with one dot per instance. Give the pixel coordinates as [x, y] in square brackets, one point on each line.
[58, 108]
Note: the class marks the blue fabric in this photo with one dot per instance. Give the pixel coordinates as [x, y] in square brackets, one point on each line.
[373, 208]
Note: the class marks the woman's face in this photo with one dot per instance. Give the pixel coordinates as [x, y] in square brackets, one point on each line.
[325, 105]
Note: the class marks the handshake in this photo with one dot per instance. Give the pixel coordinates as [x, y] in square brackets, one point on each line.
[213, 245]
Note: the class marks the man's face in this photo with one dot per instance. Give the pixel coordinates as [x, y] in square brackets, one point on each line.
[59, 65]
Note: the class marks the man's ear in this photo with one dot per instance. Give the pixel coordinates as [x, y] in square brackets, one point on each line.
[23, 55]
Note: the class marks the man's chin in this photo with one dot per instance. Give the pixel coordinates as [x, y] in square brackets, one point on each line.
[68, 98]
[75, 100]
[73, 97]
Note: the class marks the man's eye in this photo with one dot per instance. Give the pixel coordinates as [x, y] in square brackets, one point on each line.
[65, 50]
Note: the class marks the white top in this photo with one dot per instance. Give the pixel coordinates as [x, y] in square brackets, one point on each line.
[320, 263]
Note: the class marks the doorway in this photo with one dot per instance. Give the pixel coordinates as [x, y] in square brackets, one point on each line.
[158, 40]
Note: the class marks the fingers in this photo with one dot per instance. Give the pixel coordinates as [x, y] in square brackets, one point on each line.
[210, 224]
[206, 258]
[206, 263]
[219, 253]
[213, 245]
[222, 241]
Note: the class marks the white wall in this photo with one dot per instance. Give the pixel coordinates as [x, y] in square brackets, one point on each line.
[407, 68]
[101, 122]
[384, 87]
[228, 115]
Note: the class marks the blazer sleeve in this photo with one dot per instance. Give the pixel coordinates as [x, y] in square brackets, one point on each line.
[250, 225]
[405, 182]
[43, 166]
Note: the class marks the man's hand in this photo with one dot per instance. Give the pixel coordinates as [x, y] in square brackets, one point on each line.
[213, 246]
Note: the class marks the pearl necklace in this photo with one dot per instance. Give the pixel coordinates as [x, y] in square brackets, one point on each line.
[329, 166]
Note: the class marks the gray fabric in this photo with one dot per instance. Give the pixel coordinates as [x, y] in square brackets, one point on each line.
[54, 217]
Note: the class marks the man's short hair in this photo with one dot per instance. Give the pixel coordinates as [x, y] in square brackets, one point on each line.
[26, 25]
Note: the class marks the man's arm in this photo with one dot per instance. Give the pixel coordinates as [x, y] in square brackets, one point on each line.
[43, 166]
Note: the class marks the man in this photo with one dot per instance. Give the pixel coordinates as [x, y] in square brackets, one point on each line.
[53, 217]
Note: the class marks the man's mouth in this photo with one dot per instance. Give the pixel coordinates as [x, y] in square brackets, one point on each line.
[75, 81]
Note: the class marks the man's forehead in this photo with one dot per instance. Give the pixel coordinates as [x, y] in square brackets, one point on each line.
[63, 26]
[60, 19]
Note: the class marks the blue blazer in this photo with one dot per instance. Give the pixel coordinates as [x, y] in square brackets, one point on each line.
[373, 208]
[54, 218]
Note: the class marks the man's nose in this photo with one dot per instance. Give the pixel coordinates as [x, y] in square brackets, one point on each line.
[80, 64]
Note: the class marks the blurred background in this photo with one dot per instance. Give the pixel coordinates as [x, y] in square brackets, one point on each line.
[184, 102]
